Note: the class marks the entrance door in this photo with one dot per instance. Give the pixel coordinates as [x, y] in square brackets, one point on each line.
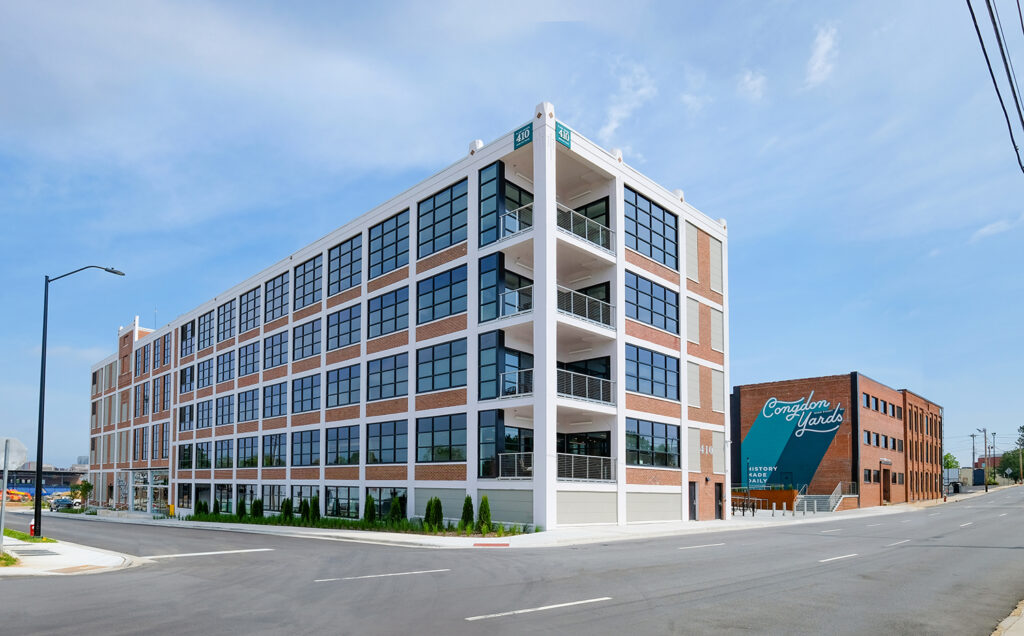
[719, 502]
[693, 501]
[886, 491]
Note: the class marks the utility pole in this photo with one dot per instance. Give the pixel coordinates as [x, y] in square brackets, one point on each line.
[995, 466]
[984, 459]
[973, 460]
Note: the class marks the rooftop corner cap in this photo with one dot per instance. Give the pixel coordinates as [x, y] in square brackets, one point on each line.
[545, 109]
[679, 193]
[617, 154]
[722, 222]
[475, 145]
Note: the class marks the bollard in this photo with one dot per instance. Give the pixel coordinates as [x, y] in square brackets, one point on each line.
[773, 508]
[805, 507]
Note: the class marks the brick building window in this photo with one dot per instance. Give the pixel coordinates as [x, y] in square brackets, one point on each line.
[185, 415]
[387, 377]
[188, 332]
[342, 446]
[306, 448]
[652, 304]
[206, 330]
[275, 350]
[441, 438]
[185, 457]
[387, 442]
[223, 457]
[441, 295]
[651, 230]
[308, 282]
[249, 310]
[343, 328]
[203, 459]
[249, 359]
[248, 452]
[204, 373]
[272, 497]
[389, 244]
[186, 379]
[225, 410]
[306, 340]
[442, 219]
[342, 501]
[249, 405]
[651, 443]
[275, 400]
[276, 298]
[306, 394]
[343, 386]
[651, 373]
[226, 321]
[441, 366]
[388, 313]
[275, 450]
[344, 265]
[226, 366]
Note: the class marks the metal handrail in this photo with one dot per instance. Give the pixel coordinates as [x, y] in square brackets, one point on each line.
[585, 387]
[584, 227]
[515, 221]
[516, 301]
[802, 491]
[582, 306]
[835, 497]
[515, 465]
[585, 467]
[515, 383]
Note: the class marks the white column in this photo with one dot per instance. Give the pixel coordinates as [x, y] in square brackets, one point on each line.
[472, 333]
[544, 327]
[615, 214]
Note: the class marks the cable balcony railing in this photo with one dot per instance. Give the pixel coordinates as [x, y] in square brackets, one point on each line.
[585, 307]
[516, 383]
[515, 466]
[585, 468]
[585, 387]
[516, 301]
[588, 229]
[515, 221]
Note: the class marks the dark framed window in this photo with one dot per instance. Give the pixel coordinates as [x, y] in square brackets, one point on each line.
[650, 303]
[249, 359]
[389, 244]
[204, 373]
[867, 438]
[203, 458]
[185, 417]
[188, 338]
[167, 348]
[156, 353]
[651, 443]
[309, 282]
[383, 498]
[275, 400]
[185, 492]
[442, 219]
[306, 394]
[225, 410]
[223, 458]
[441, 367]
[275, 450]
[275, 302]
[166, 404]
[204, 414]
[387, 442]
[275, 350]
[388, 313]
[272, 497]
[304, 493]
[248, 452]
[651, 230]
[342, 501]
[343, 328]
[343, 386]
[306, 448]
[186, 379]
[226, 366]
[344, 265]
[138, 362]
[867, 401]
[492, 205]
[306, 340]
[249, 310]
[249, 405]
[899, 445]
[185, 457]
[651, 373]
[342, 446]
[226, 321]
[441, 295]
[387, 377]
[441, 438]
[206, 330]
[867, 475]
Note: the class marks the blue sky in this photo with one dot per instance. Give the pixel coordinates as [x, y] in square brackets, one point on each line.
[856, 149]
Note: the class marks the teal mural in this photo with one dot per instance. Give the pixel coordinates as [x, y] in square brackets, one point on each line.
[788, 440]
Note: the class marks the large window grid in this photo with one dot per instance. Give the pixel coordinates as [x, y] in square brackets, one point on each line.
[441, 295]
[185, 417]
[388, 313]
[249, 405]
[206, 330]
[226, 321]
[442, 219]
[248, 452]
[203, 459]
[249, 310]
[306, 340]
[343, 328]
[186, 379]
[276, 298]
[652, 443]
[273, 495]
[342, 446]
[441, 438]
[204, 414]
[167, 349]
[275, 400]
[387, 442]
[223, 457]
[441, 367]
[389, 244]
[343, 386]
[306, 394]
[275, 449]
[342, 501]
[185, 457]
[651, 373]
[387, 377]
[308, 282]
[651, 230]
[204, 373]
[188, 333]
[651, 303]
[275, 350]
[249, 359]
[306, 448]
[226, 366]
[344, 265]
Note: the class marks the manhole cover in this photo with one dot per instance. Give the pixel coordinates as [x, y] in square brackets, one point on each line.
[39, 552]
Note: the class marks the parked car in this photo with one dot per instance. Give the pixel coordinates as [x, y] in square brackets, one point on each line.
[63, 502]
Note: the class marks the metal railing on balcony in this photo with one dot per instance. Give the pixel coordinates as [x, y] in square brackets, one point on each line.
[585, 468]
[515, 466]
[585, 307]
[585, 387]
[516, 301]
[584, 227]
[516, 383]
[515, 221]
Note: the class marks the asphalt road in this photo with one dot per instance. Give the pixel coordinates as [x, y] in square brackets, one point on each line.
[950, 569]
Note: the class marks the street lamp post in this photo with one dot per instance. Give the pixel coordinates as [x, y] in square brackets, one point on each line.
[984, 460]
[42, 391]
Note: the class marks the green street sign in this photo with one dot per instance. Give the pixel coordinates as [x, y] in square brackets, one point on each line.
[523, 136]
[563, 135]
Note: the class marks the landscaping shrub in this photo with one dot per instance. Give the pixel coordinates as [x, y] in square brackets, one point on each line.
[287, 511]
[257, 508]
[370, 512]
[304, 510]
[434, 514]
[314, 509]
[467, 512]
[240, 509]
[484, 520]
[336, 508]
[395, 512]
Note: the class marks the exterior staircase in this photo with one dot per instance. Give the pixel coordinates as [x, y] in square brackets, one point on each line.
[814, 503]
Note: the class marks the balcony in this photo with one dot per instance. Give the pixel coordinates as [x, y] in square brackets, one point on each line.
[515, 466]
[585, 307]
[585, 387]
[515, 383]
[516, 301]
[515, 221]
[572, 222]
[585, 468]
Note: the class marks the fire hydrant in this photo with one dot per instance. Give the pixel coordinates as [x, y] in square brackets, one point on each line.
[32, 529]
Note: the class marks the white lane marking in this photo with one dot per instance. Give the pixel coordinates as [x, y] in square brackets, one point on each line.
[872, 525]
[845, 556]
[932, 514]
[897, 543]
[833, 530]
[964, 525]
[1003, 515]
[192, 554]
[325, 580]
[377, 576]
[539, 609]
[706, 545]
[906, 521]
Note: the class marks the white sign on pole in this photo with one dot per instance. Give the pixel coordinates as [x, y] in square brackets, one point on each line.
[12, 454]
[17, 454]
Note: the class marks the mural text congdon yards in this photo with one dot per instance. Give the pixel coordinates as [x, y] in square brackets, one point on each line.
[788, 439]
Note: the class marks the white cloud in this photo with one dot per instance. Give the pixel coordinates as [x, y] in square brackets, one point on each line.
[752, 85]
[996, 227]
[823, 56]
[636, 87]
[694, 103]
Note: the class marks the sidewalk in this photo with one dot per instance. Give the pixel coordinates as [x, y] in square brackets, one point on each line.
[1012, 625]
[60, 558]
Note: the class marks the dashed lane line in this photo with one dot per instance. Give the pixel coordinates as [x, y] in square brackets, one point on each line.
[193, 554]
[539, 609]
[379, 576]
[705, 545]
[845, 556]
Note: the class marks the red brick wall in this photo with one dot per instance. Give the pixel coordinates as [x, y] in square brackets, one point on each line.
[340, 355]
[343, 413]
[703, 287]
[386, 472]
[657, 406]
[306, 473]
[443, 327]
[344, 297]
[703, 348]
[644, 263]
[704, 413]
[387, 279]
[440, 399]
[307, 311]
[441, 472]
[346, 473]
[870, 455]
[654, 477]
[436, 260]
[650, 334]
[390, 341]
[306, 365]
[387, 407]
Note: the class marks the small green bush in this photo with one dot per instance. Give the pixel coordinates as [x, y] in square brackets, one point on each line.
[257, 508]
[304, 510]
[501, 529]
[240, 508]
[314, 509]
[484, 520]
[435, 515]
[395, 512]
[287, 510]
[370, 511]
[467, 512]
[336, 508]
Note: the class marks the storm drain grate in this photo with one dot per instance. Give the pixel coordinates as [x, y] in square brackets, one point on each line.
[36, 552]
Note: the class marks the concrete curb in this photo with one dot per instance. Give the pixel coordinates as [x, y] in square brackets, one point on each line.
[1012, 625]
[66, 562]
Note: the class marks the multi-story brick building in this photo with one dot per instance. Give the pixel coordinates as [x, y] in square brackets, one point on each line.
[521, 325]
[846, 435]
